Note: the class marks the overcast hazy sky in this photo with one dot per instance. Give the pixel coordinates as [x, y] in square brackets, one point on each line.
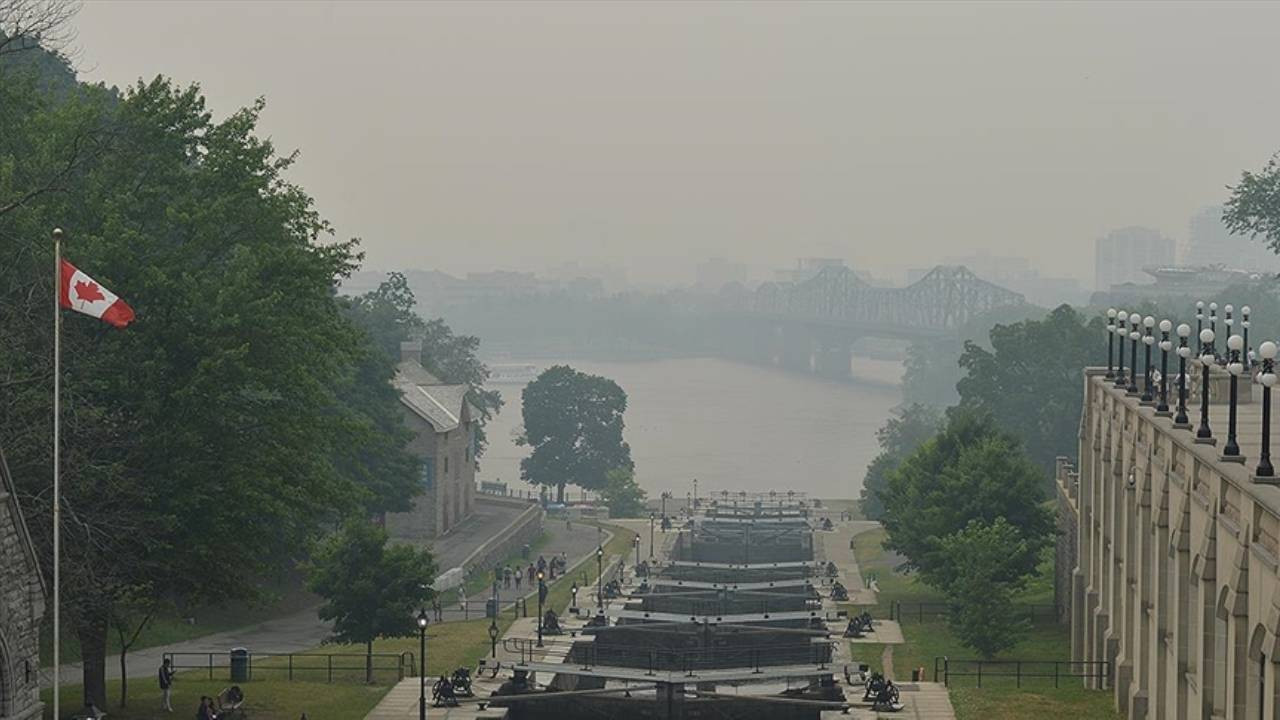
[654, 135]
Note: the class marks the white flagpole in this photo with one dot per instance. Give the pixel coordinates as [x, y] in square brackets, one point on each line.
[57, 498]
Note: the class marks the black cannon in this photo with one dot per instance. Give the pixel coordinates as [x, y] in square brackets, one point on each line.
[598, 620]
[666, 523]
[832, 570]
[883, 694]
[826, 524]
[612, 589]
[642, 570]
[858, 626]
[838, 592]
[551, 624]
[461, 682]
[442, 693]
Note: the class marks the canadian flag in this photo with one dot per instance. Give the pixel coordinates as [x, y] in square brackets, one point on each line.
[83, 294]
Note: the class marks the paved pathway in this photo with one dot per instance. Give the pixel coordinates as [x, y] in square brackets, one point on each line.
[303, 630]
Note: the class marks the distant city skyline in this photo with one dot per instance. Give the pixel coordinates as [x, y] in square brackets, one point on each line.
[652, 136]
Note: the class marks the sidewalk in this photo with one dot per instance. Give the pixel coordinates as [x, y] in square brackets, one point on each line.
[304, 630]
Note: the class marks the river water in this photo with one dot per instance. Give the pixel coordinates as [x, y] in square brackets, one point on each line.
[731, 426]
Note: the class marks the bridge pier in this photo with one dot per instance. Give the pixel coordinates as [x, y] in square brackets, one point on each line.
[796, 349]
[834, 358]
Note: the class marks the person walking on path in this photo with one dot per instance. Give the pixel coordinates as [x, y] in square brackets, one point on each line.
[166, 685]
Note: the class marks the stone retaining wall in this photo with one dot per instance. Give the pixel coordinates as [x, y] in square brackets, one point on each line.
[523, 530]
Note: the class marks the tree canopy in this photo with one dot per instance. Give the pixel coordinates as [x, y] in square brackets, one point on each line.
[906, 430]
[228, 426]
[1030, 381]
[573, 422]
[969, 471]
[1254, 206]
[371, 591]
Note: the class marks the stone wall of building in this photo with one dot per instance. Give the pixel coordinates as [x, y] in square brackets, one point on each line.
[421, 521]
[1177, 579]
[21, 608]
[1067, 539]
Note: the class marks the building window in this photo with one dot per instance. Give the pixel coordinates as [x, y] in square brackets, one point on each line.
[429, 473]
[446, 466]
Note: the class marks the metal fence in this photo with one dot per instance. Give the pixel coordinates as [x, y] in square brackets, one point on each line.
[329, 667]
[1019, 671]
[658, 659]
[921, 611]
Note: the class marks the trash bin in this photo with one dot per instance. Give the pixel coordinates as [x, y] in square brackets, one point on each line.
[491, 608]
[915, 674]
[239, 665]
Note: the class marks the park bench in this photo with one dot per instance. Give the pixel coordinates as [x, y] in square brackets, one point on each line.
[231, 702]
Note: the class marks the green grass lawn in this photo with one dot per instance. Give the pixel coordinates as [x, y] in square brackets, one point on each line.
[998, 698]
[285, 598]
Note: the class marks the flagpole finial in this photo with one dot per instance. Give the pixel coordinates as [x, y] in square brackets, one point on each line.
[57, 233]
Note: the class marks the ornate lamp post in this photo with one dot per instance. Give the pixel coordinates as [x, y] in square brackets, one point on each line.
[493, 638]
[1267, 351]
[1199, 324]
[542, 596]
[1204, 433]
[573, 591]
[1134, 336]
[1148, 340]
[1162, 407]
[1244, 324]
[1122, 333]
[1231, 451]
[1213, 324]
[422, 674]
[1111, 342]
[651, 519]
[1180, 419]
[636, 542]
[600, 576]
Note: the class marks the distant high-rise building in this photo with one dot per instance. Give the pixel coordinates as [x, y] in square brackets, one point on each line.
[1209, 243]
[1120, 255]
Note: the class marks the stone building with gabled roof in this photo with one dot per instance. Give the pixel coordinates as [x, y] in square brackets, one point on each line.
[22, 596]
[444, 426]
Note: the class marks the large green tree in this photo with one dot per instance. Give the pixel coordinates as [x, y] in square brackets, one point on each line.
[371, 590]
[1031, 382]
[573, 422]
[205, 445]
[987, 566]
[969, 471]
[1254, 206]
[906, 430]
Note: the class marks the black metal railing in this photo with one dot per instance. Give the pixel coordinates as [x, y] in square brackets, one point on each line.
[685, 661]
[921, 611]
[946, 669]
[300, 666]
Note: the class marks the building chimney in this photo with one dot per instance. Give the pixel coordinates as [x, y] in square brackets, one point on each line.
[411, 350]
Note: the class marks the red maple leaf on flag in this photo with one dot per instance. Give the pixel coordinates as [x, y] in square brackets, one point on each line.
[89, 291]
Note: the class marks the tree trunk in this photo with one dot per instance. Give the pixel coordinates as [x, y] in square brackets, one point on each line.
[560, 493]
[368, 663]
[92, 633]
[124, 678]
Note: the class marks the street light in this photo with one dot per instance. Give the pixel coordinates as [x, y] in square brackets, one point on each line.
[493, 638]
[1162, 407]
[422, 675]
[542, 595]
[1111, 343]
[1244, 323]
[1148, 340]
[1267, 351]
[1184, 352]
[636, 542]
[600, 576]
[574, 600]
[1204, 433]
[1134, 336]
[651, 519]
[1235, 343]
[1120, 330]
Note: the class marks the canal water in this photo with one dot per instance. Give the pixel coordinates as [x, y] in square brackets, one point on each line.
[731, 426]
